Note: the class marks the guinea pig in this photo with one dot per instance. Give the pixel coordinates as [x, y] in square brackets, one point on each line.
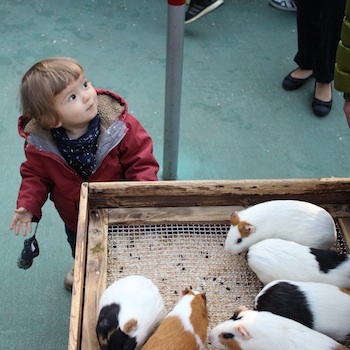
[322, 307]
[293, 220]
[263, 330]
[274, 259]
[130, 310]
[185, 327]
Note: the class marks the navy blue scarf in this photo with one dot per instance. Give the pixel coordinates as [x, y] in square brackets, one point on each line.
[79, 153]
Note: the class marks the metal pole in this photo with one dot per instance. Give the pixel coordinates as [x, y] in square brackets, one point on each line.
[173, 82]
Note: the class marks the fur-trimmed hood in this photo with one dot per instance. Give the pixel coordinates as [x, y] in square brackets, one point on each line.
[113, 112]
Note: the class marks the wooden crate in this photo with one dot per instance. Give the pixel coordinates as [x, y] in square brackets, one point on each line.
[174, 202]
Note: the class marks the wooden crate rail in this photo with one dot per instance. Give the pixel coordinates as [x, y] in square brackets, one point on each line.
[109, 203]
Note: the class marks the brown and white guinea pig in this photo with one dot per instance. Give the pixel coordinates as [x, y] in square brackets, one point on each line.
[130, 310]
[293, 220]
[263, 330]
[275, 259]
[320, 306]
[185, 327]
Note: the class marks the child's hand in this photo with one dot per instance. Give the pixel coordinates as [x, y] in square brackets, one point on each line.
[22, 220]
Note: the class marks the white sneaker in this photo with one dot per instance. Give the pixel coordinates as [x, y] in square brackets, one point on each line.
[199, 8]
[288, 5]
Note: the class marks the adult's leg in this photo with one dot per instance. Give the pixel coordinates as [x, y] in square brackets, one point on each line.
[331, 16]
[308, 28]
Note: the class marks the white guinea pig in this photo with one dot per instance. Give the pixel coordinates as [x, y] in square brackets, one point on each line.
[322, 307]
[251, 330]
[185, 327]
[274, 259]
[130, 309]
[293, 220]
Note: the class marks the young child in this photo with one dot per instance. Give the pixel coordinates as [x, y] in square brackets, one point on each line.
[73, 133]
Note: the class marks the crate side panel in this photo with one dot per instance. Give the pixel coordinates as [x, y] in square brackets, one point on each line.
[213, 193]
[76, 314]
[96, 267]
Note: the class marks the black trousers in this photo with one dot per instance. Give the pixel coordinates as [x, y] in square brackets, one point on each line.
[319, 24]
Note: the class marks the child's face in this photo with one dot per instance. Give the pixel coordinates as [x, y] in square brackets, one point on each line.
[76, 104]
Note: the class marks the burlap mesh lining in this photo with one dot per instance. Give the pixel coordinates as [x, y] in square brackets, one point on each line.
[186, 255]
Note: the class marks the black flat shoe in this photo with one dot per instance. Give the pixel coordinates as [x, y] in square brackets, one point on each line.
[321, 108]
[290, 83]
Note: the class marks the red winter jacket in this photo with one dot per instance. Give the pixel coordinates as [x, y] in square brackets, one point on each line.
[125, 152]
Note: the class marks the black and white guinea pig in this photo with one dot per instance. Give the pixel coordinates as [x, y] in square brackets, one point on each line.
[275, 259]
[263, 330]
[293, 220]
[130, 310]
[320, 306]
[185, 327]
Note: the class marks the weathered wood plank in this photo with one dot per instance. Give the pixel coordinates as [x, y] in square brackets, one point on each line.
[76, 314]
[337, 210]
[216, 193]
[202, 215]
[95, 276]
[344, 224]
[166, 215]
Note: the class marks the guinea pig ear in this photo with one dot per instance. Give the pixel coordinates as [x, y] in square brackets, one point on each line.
[186, 291]
[234, 218]
[203, 296]
[242, 331]
[238, 311]
[248, 229]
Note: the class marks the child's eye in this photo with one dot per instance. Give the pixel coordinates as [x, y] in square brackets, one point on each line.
[85, 84]
[72, 97]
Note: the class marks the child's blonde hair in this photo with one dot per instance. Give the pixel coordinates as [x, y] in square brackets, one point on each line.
[41, 83]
